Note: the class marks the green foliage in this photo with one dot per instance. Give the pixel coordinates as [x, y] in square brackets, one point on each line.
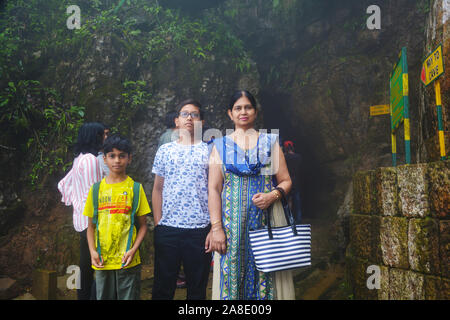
[37, 124]
[276, 3]
[201, 39]
[423, 6]
[38, 26]
[9, 45]
[135, 97]
[356, 24]
[346, 290]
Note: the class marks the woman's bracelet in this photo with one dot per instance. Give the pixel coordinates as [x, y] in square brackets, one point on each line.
[282, 193]
[277, 194]
[214, 223]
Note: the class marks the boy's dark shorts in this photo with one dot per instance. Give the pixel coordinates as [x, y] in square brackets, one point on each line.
[122, 284]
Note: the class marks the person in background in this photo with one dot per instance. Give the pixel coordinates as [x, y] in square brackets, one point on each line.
[74, 188]
[293, 161]
[171, 132]
[101, 160]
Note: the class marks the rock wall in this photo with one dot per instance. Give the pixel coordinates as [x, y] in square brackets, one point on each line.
[401, 224]
[437, 32]
[36, 230]
[315, 68]
[321, 69]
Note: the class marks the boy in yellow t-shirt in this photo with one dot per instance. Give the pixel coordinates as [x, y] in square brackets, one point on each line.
[112, 237]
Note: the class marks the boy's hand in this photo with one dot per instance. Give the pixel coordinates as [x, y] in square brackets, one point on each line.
[128, 257]
[96, 259]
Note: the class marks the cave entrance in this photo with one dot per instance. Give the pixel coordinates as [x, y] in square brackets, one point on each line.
[277, 113]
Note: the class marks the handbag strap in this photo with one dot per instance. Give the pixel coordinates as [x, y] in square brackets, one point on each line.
[269, 227]
[287, 213]
[287, 210]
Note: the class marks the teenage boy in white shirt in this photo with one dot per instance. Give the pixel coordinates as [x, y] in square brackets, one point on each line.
[180, 208]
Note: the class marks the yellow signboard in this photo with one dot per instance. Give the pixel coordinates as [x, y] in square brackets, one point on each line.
[433, 66]
[379, 110]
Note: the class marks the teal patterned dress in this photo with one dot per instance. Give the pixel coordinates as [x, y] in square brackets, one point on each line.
[243, 178]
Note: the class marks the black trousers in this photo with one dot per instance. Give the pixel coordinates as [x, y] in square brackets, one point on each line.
[87, 283]
[174, 246]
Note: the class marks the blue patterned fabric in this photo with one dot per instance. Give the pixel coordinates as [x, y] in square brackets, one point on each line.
[245, 162]
[239, 278]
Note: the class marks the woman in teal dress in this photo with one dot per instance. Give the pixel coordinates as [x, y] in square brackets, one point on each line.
[245, 167]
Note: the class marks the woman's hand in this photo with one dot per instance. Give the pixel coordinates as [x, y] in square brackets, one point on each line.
[216, 241]
[264, 200]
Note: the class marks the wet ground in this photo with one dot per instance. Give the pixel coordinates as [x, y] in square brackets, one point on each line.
[323, 280]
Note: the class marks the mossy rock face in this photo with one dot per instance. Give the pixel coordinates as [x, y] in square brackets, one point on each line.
[364, 192]
[423, 245]
[413, 190]
[358, 276]
[387, 191]
[433, 288]
[356, 273]
[375, 239]
[360, 240]
[10, 215]
[66, 249]
[438, 174]
[394, 241]
[383, 293]
[406, 285]
[364, 234]
[444, 247]
[445, 289]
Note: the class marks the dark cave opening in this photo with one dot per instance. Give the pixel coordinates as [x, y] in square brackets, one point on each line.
[315, 183]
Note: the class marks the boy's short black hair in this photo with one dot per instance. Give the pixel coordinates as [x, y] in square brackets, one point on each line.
[117, 141]
[194, 103]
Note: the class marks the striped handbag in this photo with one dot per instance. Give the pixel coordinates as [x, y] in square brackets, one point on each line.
[281, 248]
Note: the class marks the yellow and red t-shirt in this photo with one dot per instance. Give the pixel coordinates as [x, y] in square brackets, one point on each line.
[114, 219]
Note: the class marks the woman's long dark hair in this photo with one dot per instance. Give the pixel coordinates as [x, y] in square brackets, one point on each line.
[239, 94]
[90, 138]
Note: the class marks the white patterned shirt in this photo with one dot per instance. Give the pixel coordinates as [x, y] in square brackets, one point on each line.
[185, 191]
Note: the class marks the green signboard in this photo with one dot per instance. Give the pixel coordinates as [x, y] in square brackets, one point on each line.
[399, 101]
[399, 91]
